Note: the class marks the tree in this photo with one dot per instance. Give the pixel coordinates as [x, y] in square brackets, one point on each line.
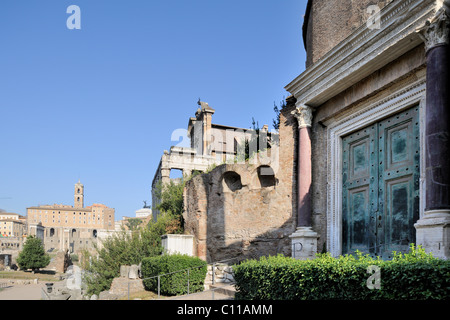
[171, 195]
[133, 223]
[33, 255]
[124, 248]
[257, 142]
[276, 121]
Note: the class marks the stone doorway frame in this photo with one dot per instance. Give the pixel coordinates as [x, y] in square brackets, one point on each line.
[369, 113]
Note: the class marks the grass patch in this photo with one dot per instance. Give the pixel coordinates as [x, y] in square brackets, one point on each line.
[42, 275]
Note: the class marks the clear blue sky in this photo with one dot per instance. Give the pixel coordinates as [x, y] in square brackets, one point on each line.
[100, 104]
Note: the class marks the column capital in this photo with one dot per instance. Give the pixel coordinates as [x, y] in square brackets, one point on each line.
[436, 31]
[303, 114]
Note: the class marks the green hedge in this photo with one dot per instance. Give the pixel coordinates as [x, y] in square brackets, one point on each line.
[175, 282]
[415, 275]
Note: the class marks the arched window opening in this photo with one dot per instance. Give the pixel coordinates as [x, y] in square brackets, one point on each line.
[232, 181]
[266, 177]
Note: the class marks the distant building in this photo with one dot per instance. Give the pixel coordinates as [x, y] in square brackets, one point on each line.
[71, 227]
[210, 144]
[12, 233]
[11, 228]
[37, 230]
[13, 216]
[143, 213]
[77, 216]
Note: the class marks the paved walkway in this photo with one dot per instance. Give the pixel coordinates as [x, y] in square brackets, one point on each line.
[22, 292]
[33, 292]
[220, 292]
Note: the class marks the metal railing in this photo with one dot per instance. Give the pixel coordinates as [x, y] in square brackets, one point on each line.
[188, 285]
[213, 265]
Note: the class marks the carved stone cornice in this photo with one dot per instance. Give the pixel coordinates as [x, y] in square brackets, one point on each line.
[303, 114]
[436, 31]
[364, 51]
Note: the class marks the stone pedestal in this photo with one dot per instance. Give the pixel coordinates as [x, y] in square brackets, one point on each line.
[433, 233]
[304, 243]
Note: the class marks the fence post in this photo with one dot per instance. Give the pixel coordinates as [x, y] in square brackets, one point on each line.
[128, 289]
[214, 273]
[188, 283]
[158, 284]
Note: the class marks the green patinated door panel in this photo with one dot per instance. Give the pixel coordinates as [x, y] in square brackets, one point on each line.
[398, 174]
[359, 184]
[380, 200]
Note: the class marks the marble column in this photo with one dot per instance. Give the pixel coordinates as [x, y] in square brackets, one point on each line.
[165, 175]
[304, 239]
[433, 229]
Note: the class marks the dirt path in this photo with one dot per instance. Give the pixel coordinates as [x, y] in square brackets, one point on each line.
[22, 292]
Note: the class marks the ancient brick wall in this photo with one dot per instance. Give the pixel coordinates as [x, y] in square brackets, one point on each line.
[248, 209]
[331, 21]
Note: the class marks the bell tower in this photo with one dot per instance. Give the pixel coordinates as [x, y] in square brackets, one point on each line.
[79, 195]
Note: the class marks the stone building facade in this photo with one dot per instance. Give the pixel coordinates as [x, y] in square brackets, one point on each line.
[364, 160]
[245, 210]
[12, 225]
[13, 229]
[211, 144]
[71, 227]
[374, 118]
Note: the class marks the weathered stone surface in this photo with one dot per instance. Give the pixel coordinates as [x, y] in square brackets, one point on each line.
[119, 286]
[124, 271]
[253, 219]
[105, 295]
[331, 21]
[73, 282]
[133, 272]
[60, 262]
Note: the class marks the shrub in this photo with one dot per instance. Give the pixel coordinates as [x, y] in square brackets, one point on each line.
[123, 248]
[33, 255]
[415, 275]
[176, 282]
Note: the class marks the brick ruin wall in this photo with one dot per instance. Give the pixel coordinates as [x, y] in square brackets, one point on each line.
[238, 210]
[331, 21]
